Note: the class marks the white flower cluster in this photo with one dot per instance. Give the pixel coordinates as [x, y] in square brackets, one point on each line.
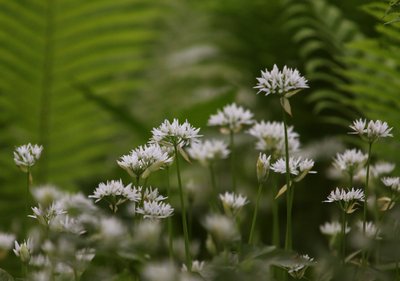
[231, 119]
[263, 165]
[221, 227]
[175, 134]
[25, 156]
[297, 166]
[46, 216]
[208, 151]
[351, 161]
[142, 161]
[371, 131]
[371, 230]
[285, 83]
[392, 182]
[232, 202]
[6, 241]
[155, 210]
[333, 228]
[271, 137]
[24, 250]
[347, 199]
[298, 269]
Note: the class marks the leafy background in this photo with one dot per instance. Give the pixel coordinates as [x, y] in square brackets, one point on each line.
[89, 79]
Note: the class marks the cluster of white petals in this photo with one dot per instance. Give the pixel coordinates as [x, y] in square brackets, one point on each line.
[263, 165]
[333, 228]
[231, 118]
[285, 82]
[155, 210]
[24, 250]
[6, 241]
[46, 194]
[371, 230]
[25, 156]
[221, 227]
[298, 269]
[232, 202]
[352, 160]
[392, 182]
[271, 137]
[208, 151]
[371, 131]
[175, 134]
[345, 195]
[46, 216]
[297, 166]
[144, 160]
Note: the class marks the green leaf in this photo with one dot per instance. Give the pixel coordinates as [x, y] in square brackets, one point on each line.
[4, 276]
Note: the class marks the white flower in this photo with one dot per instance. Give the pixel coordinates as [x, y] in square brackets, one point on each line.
[297, 166]
[333, 228]
[371, 230]
[221, 227]
[6, 241]
[392, 182]
[46, 216]
[160, 272]
[175, 134]
[25, 156]
[111, 228]
[231, 118]
[47, 194]
[286, 82]
[298, 269]
[208, 151]
[85, 254]
[263, 165]
[147, 233]
[232, 202]
[347, 199]
[271, 137]
[24, 250]
[144, 160]
[371, 131]
[350, 161]
[197, 266]
[155, 210]
[382, 168]
[116, 193]
[67, 224]
[152, 194]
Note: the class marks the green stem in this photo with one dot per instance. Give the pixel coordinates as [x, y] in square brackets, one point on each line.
[343, 244]
[213, 201]
[289, 199]
[169, 222]
[253, 223]
[275, 217]
[27, 191]
[184, 220]
[25, 270]
[232, 147]
[366, 191]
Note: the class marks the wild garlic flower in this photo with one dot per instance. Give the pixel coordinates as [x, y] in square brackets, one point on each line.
[24, 250]
[221, 227]
[155, 210]
[347, 199]
[284, 83]
[371, 131]
[263, 165]
[208, 151]
[175, 134]
[161, 271]
[371, 230]
[271, 137]
[232, 118]
[197, 266]
[144, 160]
[382, 168]
[25, 156]
[333, 228]
[392, 182]
[6, 241]
[298, 167]
[67, 224]
[111, 229]
[350, 161]
[46, 216]
[232, 202]
[298, 269]
[115, 193]
[47, 194]
[152, 194]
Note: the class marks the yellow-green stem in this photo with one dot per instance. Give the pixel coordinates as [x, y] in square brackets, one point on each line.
[275, 216]
[253, 222]
[289, 199]
[184, 220]
[232, 147]
[214, 193]
[343, 244]
[169, 221]
[366, 192]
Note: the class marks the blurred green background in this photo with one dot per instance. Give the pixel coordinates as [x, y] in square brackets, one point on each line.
[89, 79]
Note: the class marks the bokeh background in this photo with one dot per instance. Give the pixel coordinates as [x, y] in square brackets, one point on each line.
[89, 79]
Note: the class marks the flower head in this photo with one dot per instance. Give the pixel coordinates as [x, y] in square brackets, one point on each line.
[47, 194]
[297, 166]
[271, 138]
[155, 210]
[208, 151]
[351, 161]
[232, 202]
[175, 134]
[25, 156]
[284, 83]
[46, 216]
[333, 228]
[371, 230]
[231, 118]
[115, 193]
[221, 227]
[24, 250]
[347, 199]
[392, 182]
[298, 269]
[144, 160]
[371, 131]
[263, 165]
[6, 241]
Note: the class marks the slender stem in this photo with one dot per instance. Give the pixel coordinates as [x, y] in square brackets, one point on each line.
[343, 244]
[253, 223]
[27, 191]
[275, 217]
[289, 200]
[169, 221]
[214, 192]
[184, 220]
[366, 191]
[232, 147]
[25, 270]
[351, 175]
